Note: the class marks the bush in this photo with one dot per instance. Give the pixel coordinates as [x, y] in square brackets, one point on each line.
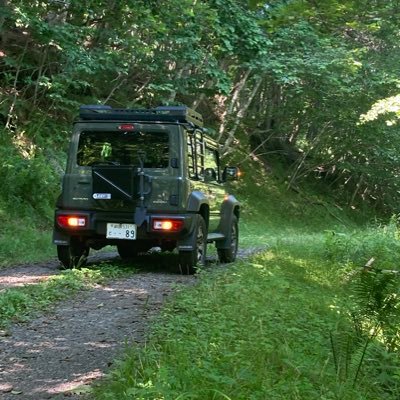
[27, 199]
[28, 182]
[355, 249]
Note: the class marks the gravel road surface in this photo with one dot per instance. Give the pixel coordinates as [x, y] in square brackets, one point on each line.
[76, 341]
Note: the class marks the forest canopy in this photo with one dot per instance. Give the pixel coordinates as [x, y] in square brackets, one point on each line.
[314, 84]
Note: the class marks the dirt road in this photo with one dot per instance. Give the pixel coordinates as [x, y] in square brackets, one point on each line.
[75, 342]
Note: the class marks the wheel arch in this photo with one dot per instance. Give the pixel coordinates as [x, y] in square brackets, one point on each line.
[229, 207]
[198, 203]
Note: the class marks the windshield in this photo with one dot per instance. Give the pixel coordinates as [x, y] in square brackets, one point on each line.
[123, 148]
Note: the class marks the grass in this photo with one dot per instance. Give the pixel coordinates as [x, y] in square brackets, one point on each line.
[27, 244]
[25, 236]
[18, 304]
[258, 330]
[264, 328]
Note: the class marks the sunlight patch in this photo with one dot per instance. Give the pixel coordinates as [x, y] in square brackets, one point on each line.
[24, 145]
[389, 105]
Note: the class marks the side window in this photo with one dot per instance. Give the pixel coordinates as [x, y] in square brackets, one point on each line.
[195, 155]
[211, 164]
[203, 161]
[210, 158]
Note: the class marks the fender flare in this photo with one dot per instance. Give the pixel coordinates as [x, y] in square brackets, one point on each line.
[195, 201]
[197, 204]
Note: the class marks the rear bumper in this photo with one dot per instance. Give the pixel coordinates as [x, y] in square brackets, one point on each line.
[96, 227]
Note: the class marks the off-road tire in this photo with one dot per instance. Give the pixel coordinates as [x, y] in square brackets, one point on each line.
[229, 254]
[73, 255]
[189, 261]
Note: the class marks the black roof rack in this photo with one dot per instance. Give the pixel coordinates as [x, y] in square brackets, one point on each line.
[160, 114]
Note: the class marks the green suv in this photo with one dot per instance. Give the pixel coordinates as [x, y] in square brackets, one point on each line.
[145, 178]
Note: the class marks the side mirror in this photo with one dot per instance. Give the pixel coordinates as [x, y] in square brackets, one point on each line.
[230, 174]
[210, 175]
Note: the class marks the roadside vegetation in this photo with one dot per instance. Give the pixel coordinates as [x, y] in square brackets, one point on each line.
[301, 320]
[30, 186]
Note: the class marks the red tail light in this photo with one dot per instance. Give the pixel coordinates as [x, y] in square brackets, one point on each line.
[167, 225]
[71, 221]
[126, 127]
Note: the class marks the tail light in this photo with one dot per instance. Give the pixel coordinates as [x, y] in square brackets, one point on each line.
[126, 127]
[167, 225]
[71, 221]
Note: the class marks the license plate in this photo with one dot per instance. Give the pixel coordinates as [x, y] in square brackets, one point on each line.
[121, 231]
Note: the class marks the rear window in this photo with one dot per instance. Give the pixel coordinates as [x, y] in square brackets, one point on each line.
[123, 148]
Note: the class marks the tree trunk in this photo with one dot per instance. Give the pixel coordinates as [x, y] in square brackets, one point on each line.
[234, 99]
[240, 115]
[15, 90]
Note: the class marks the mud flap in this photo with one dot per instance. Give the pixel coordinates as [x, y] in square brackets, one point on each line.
[61, 239]
[140, 215]
[188, 243]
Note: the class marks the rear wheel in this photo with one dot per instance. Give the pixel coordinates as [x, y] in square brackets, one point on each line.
[73, 255]
[229, 254]
[190, 260]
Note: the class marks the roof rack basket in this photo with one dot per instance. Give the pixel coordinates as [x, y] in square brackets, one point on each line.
[180, 114]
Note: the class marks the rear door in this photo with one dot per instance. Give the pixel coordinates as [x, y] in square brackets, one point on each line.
[105, 160]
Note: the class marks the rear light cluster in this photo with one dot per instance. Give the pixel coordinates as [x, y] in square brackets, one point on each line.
[71, 221]
[158, 224]
[126, 127]
[167, 225]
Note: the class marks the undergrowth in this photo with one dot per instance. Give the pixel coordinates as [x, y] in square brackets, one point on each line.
[24, 242]
[356, 247]
[30, 184]
[366, 341]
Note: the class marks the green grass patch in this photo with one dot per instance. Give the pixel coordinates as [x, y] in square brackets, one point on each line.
[24, 244]
[356, 247]
[262, 329]
[259, 331]
[20, 303]
[30, 185]
[25, 234]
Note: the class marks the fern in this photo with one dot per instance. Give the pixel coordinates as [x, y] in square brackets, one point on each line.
[373, 313]
[349, 349]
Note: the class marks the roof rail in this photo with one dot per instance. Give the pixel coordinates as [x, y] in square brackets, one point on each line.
[181, 114]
